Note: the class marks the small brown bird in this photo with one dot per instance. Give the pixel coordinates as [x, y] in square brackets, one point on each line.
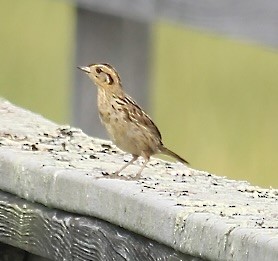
[129, 127]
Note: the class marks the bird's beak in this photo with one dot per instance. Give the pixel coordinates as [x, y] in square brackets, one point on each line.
[85, 69]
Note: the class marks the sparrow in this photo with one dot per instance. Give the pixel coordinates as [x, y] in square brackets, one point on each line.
[128, 126]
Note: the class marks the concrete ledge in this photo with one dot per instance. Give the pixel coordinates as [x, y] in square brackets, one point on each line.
[191, 211]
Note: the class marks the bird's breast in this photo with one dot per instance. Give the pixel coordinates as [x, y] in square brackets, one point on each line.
[125, 132]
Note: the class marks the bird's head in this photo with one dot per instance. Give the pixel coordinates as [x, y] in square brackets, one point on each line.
[103, 75]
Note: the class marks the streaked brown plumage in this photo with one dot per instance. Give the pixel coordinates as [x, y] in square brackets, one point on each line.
[129, 127]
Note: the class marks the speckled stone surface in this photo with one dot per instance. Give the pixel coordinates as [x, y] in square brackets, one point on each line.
[192, 211]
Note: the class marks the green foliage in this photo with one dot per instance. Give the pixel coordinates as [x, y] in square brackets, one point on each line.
[36, 55]
[215, 101]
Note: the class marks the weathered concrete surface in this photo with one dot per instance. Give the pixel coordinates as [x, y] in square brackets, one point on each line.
[192, 211]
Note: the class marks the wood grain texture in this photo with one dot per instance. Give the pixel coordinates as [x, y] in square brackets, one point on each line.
[59, 235]
[11, 253]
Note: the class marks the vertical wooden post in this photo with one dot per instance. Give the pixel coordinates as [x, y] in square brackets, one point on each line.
[122, 42]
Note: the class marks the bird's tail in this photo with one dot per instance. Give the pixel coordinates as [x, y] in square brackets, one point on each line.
[170, 153]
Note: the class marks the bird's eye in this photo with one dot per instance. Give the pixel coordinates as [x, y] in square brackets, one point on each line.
[98, 70]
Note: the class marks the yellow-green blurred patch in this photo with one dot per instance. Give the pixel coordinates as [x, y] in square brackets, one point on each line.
[36, 55]
[216, 103]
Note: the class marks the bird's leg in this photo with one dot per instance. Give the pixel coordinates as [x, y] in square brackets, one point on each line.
[135, 157]
[147, 158]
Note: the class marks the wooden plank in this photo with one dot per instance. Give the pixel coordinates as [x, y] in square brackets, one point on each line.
[59, 235]
[140, 10]
[251, 20]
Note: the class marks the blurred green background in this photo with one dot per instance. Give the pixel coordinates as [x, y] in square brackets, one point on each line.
[217, 102]
[36, 50]
[214, 99]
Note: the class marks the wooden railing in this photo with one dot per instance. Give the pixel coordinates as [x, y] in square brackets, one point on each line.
[60, 200]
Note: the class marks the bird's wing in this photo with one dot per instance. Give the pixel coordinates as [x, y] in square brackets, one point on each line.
[137, 115]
